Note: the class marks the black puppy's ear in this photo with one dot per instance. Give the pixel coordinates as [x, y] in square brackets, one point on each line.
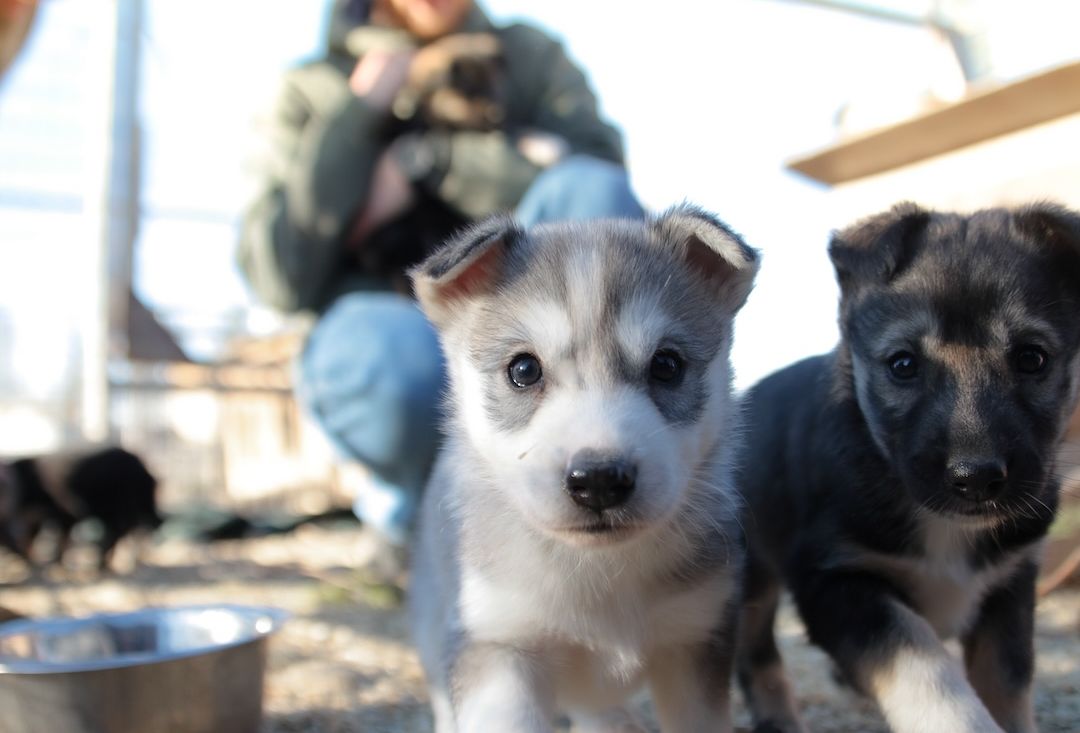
[875, 250]
[465, 266]
[713, 249]
[1053, 224]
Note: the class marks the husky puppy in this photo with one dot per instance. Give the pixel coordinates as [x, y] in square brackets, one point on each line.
[579, 535]
[900, 485]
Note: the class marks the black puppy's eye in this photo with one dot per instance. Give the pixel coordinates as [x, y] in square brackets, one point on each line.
[903, 365]
[666, 366]
[1030, 359]
[524, 370]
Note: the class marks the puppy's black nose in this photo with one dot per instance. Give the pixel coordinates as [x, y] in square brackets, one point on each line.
[976, 480]
[599, 483]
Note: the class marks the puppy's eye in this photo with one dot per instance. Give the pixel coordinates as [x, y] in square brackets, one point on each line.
[524, 370]
[903, 365]
[1030, 359]
[666, 366]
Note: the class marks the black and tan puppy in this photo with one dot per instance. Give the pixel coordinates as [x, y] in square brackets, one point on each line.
[900, 485]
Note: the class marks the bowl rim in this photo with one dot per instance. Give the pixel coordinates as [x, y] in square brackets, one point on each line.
[18, 665]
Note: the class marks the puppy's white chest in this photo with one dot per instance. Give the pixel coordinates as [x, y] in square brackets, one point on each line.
[624, 621]
[947, 591]
[945, 583]
[598, 644]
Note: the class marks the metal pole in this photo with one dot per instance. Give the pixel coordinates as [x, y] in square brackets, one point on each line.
[112, 212]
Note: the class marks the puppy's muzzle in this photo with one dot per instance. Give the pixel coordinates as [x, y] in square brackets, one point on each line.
[598, 482]
[977, 480]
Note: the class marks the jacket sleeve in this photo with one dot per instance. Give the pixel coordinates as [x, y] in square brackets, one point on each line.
[317, 153]
[478, 173]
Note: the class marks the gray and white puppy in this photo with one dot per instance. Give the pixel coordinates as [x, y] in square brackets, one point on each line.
[578, 537]
[901, 485]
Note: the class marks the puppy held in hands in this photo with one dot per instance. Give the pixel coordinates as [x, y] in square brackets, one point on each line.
[457, 83]
[901, 485]
[579, 536]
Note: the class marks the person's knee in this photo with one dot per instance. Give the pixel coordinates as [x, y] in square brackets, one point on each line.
[584, 174]
[370, 375]
[580, 187]
[586, 168]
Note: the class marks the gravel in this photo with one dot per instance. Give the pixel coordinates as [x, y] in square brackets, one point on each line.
[343, 662]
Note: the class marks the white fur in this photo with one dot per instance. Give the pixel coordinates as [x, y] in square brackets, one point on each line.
[945, 588]
[924, 690]
[504, 699]
[548, 328]
[640, 326]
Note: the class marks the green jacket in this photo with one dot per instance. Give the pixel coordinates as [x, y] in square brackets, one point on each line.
[322, 142]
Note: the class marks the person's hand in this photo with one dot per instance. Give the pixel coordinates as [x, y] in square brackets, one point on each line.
[432, 61]
[390, 195]
[380, 74]
[542, 149]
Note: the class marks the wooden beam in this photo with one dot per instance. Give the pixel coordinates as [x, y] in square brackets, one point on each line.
[1030, 101]
[180, 376]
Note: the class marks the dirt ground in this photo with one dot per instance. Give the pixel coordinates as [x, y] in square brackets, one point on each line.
[343, 661]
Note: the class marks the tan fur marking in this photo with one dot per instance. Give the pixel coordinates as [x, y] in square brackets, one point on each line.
[773, 698]
[1012, 710]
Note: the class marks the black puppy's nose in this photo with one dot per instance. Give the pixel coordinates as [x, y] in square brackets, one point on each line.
[977, 480]
[599, 483]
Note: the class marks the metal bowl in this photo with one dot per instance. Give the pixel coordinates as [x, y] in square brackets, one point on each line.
[190, 669]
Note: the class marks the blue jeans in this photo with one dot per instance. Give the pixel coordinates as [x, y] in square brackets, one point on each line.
[372, 372]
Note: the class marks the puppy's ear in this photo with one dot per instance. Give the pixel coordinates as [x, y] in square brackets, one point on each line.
[1052, 224]
[467, 265]
[711, 248]
[876, 249]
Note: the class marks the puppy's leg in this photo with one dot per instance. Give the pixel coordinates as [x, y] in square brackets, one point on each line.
[760, 668]
[891, 653]
[999, 653]
[63, 539]
[443, 712]
[106, 546]
[691, 686]
[24, 533]
[12, 537]
[499, 688]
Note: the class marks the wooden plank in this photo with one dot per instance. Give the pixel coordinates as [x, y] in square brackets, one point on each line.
[998, 111]
[178, 376]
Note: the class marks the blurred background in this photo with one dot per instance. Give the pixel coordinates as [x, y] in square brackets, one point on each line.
[125, 126]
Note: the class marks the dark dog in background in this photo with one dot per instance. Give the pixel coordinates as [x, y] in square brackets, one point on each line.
[900, 485]
[59, 490]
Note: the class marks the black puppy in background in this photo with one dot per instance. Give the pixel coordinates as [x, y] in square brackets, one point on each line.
[60, 489]
[900, 485]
